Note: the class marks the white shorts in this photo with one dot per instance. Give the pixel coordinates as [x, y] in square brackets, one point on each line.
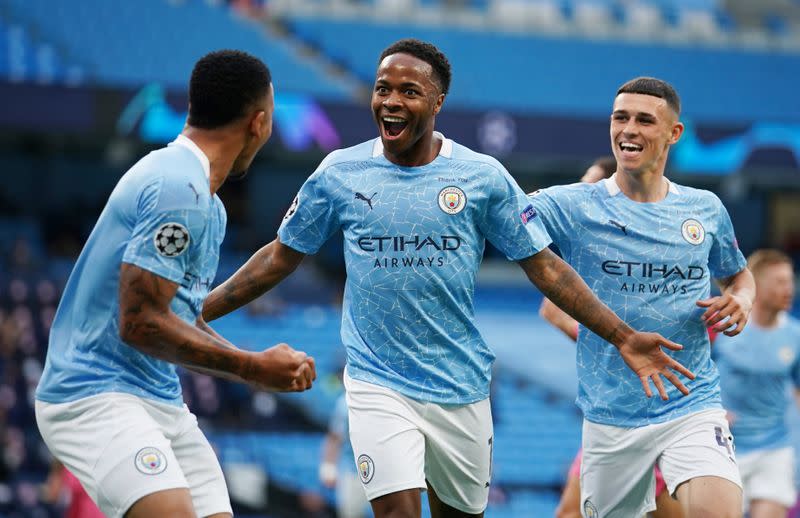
[617, 478]
[399, 443]
[768, 475]
[123, 448]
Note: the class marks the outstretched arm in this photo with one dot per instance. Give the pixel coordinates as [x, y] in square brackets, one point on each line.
[148, 323]
[735, 303]
[641, 351]
[269, 266]
[559, 319]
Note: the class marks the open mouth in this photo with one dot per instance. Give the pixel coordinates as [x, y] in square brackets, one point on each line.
[630, 148]
[393, 126]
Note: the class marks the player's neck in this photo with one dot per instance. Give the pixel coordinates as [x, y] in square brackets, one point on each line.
[220, 149]
[422, 153]
[642, 187]
[765, 317]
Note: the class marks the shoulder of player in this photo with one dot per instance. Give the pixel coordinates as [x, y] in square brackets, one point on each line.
[695, 194]
[577, 189]
[165, 173]
[479, 161]
[359, 153]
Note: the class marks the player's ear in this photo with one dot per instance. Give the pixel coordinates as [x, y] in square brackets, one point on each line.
[677, 131]
[438, 106]
[258, 123]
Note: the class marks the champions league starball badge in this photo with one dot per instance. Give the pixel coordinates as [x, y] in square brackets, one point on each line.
[171, 239]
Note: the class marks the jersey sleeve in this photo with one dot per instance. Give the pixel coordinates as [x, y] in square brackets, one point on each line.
[510, 222]
[169, 224]
[549, 204]
[724, 258]
[796, 367]
[311, 219]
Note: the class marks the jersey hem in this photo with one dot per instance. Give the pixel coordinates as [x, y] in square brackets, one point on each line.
[357, 375]
[638, 423]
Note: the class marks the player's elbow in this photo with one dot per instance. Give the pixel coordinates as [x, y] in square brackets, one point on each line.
[138, 328]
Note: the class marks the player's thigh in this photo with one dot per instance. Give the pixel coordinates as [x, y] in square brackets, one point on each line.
[570, 504]
[440, 509]
[617, 475]
[388, 446]
[114, 447]
[710, 497]
[201, 468]
[458, 454]
[768, 476]
[667, 507]
[699, 461]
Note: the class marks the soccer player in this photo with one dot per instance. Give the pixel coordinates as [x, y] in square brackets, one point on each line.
[648, 248]
[109, 402]
[337, 470]
[755, 368]
[570, 504]
[416, 209]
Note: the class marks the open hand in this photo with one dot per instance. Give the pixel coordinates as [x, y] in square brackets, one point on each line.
[733, 307]
[281, 368]
[643, 354]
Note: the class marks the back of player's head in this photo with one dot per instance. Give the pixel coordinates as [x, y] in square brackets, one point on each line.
[608, 164]
[427, 53]
[224, 85]
[762, 259]
[656, 88]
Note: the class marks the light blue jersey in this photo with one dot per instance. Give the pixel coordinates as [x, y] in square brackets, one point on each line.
[160, 217]
[414, 237]
[755, 367]
[650, 263]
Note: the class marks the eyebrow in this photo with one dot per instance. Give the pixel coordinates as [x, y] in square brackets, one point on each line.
[637, 114]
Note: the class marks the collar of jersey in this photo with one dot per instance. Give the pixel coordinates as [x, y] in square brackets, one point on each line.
[183, 140]
[446, 150]
[613, 188]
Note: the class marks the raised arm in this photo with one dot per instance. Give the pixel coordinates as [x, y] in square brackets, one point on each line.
[269, 266]
[735, 303]
[148, 323]
[641, 351]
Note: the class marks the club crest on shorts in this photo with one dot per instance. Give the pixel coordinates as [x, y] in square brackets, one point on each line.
[693, 232]
[150, 461]
[171, 239]
[366, 468]
[452, 200]
[589, 510]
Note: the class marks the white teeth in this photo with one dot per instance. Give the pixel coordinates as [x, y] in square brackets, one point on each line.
[628, 146]
[393, 119]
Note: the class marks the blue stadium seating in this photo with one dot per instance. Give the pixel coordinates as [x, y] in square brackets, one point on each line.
[134, 43]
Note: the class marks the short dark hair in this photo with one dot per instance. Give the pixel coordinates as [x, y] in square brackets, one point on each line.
[428, 53]
[224, 85]
[608, 164]
[654, 87]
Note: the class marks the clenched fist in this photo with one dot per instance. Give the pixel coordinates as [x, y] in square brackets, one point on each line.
[280, 369]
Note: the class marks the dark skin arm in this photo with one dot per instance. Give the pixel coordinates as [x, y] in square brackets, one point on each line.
[148, 324]
[641, 351]
[262, 272]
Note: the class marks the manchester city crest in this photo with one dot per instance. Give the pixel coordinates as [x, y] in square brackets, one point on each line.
[452, 200]
[366, 468]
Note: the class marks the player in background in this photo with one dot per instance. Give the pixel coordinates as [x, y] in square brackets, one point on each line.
[755, 368]
[570, 504]
[649, 248]
[416, 209]
[337, 469]
[109, 402]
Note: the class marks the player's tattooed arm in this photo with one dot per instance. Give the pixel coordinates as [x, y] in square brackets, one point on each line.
[203, 326]
[641, 351]
[147, 323]
[728, 313]
[269, 266]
